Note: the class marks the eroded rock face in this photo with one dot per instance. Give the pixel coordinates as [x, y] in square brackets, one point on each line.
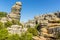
[49, 25]
[15, 11]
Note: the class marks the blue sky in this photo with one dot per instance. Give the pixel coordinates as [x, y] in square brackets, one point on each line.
[31, 8]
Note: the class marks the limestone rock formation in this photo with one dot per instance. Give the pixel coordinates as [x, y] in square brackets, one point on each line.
[15, 11]
[15, 15]
[16, 29]
[13, 18]
[3, 19]
[49, 25]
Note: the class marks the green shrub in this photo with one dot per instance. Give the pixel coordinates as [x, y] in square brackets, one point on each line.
[26, 36]
[16, 22]
[1, 25]
[13, 37]
[38, 27]
[3, 34]
[8, 24]
[13, 22]
[3, 14]
[33, 31]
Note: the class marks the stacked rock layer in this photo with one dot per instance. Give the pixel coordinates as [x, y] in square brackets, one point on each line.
[49, 26]
[15, 12]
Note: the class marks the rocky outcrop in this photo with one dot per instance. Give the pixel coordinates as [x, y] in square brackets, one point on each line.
[14, 15]
[16, 29]
[49, 25]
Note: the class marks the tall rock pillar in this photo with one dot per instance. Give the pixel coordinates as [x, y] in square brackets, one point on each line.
[15, 11]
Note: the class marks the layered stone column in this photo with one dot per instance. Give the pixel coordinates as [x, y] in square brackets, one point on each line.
[15, 11]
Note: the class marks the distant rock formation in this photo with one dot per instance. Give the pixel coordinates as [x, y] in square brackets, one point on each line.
[15, 11]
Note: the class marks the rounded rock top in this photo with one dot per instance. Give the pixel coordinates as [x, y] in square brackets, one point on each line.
[18, 3]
